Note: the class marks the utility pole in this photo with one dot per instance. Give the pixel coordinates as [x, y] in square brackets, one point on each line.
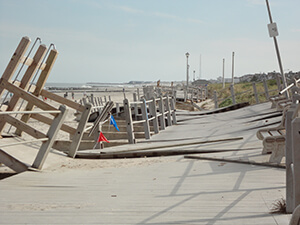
[273, 32]
[200, 68]
[223, 73]
[232, 68]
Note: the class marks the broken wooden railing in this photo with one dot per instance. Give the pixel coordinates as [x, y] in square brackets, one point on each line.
[292, 157]
[156, 110]
[34, 94]
[46, 139]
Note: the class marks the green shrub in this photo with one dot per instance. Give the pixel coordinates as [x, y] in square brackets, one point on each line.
[226, 102]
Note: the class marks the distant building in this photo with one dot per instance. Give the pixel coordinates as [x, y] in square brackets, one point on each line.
[201, 82]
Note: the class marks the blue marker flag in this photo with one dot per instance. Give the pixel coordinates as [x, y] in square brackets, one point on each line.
[113, 122]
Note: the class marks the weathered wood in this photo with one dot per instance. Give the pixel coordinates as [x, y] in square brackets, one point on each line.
[296, 160]
[216, 100]
[24, 84]
[46, 72]
[40, 84]
[51, 134]
[12, 162]
[152, 153]
[146, 119]
[135, 106]
[62, 100]
[173, 110]
[79, 131]
[28, 62]
[153, 112]
[167, 103]
[129, 125]
[255, 92]
[104, 113]
[22, 126]
[178, 144]
[26, 96]
[289, 161]
[15, 60]
[161, 110]
[49, 121]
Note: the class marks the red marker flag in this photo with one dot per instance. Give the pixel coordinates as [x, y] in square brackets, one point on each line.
[102, 138]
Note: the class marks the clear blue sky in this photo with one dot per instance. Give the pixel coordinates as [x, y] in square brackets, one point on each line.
[124, 40]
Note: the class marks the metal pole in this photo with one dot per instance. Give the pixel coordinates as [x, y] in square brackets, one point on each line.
[187, 74]
[277, 51]
[232, 68]
[223, 73]
[200, 68]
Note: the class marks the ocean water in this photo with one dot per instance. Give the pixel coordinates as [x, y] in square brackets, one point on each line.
[93, 85]
[65, 85]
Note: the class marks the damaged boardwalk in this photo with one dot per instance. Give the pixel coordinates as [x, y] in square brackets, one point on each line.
[198, 188]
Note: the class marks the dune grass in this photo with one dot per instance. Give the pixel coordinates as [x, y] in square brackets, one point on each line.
[243, 92]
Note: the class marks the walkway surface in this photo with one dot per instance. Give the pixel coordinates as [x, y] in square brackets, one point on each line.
[159, 190]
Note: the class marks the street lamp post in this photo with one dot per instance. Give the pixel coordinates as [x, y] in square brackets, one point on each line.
[187, 74]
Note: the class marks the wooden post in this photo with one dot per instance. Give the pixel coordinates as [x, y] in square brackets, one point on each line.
[169, 119]
[146, 118]
[129, 125]
[278, 81]
[135, 106]
[117, 108]
[266, 89]
[80, 131]
[232, 94]
[92, 99]
[216, 99]
[138, 93]
[289, 160]
[173, 109]
[255, 92]
[51, 134]
[201, 94]
[15, 60]
[296, 160]
[153, 112]
[40, 84]
[162, 112]
[185, 95]
[26, 79]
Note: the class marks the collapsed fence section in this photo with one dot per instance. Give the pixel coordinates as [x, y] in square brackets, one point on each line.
[160, 112]
[46, 139]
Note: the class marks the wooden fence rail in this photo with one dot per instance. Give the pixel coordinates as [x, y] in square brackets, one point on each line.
[46, 139]
[155, 110]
